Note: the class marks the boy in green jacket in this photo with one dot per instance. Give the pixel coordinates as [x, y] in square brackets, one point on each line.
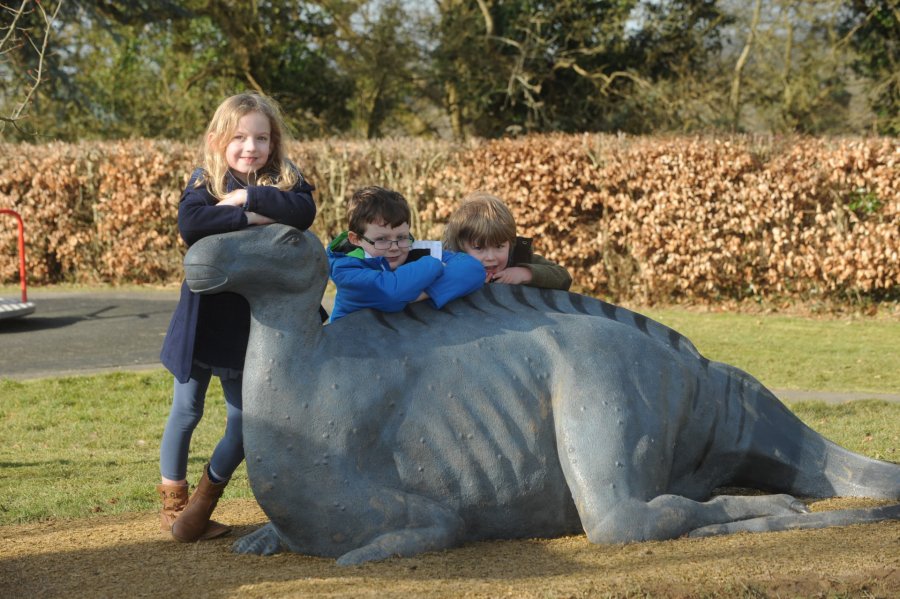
[484, 228]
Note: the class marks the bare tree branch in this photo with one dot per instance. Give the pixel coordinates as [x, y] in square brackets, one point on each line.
[488, 19]
[12, 27]
[40, 51]
[739, 66]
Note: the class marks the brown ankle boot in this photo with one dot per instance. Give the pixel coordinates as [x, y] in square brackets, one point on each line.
[174, 498]
[194, 524]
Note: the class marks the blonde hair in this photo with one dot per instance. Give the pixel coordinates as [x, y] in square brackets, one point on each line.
[481, 219]
[278, 170]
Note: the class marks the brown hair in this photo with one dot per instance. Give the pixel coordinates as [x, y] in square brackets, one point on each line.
[376, 205]
[481, 219]
[278, 170]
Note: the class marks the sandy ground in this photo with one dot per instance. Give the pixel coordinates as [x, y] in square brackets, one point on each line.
[126, 556]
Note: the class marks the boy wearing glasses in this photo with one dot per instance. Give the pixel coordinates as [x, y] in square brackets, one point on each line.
[372, 264]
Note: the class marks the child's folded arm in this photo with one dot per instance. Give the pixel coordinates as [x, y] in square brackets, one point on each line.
[547, 274]
[294, 207]
[462, 275]
[197, 218]
[385, 290]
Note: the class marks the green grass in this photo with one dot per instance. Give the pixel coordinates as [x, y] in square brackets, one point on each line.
[790, 352]
[870, 427]
[77, 446]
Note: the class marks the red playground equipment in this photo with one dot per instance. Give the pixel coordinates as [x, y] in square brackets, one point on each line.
[13, 308]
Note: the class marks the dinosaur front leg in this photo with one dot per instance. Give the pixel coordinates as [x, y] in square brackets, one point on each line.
[401, 543]
[429, 527]
[262, 541]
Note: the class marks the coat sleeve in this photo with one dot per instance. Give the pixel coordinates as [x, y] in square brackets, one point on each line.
[294, 207]
[199, 216]
[462, 275]
[547, 274]
[359, 286]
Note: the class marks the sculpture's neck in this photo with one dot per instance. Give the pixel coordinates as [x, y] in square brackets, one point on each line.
[281, 329]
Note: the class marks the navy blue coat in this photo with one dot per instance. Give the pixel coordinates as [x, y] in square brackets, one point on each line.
[214, 329]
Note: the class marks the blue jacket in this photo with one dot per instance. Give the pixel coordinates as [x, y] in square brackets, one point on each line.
[370, 283]
[214, 329]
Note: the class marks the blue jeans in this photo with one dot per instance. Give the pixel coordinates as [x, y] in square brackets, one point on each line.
[187, 410]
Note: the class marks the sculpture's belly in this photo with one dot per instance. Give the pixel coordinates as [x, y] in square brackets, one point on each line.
[487, 450]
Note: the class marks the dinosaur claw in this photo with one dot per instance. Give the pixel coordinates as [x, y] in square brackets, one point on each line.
[263, 541]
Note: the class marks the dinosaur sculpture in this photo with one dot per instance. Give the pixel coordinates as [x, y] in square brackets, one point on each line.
[513, 412]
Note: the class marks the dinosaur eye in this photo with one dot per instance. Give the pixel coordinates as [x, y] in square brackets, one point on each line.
[292, 239]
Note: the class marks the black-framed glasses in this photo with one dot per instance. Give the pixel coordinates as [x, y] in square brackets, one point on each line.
[385, 244]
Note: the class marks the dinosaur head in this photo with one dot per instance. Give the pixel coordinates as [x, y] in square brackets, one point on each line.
[275, 258]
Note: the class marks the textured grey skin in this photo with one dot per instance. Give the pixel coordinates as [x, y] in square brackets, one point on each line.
[514, 412]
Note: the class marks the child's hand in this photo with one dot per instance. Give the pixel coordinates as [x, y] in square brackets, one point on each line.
[514, 275]
[254, 218]
[238, 197]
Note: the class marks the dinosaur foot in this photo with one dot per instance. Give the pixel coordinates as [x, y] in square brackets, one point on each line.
[262, 541]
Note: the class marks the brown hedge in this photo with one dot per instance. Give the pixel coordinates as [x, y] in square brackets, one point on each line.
[645, 219]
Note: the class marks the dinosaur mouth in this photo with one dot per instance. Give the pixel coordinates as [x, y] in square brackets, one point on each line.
[202, 278]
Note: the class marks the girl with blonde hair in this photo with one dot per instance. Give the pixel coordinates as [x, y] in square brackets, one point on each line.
[245, 180]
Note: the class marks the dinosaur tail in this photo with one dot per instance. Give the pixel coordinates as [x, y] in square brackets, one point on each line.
[782, 454]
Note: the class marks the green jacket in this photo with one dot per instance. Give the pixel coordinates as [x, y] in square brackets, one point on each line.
[544, 273]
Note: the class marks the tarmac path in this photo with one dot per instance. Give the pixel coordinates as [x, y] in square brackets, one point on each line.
[88, 332]
[76, 332]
